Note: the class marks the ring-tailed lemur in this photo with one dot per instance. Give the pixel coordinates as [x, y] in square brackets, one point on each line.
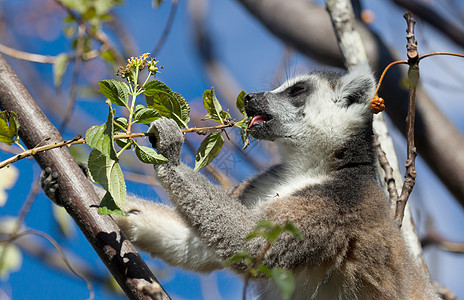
[325, 185]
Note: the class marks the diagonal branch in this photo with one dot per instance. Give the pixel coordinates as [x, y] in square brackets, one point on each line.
[75, 191]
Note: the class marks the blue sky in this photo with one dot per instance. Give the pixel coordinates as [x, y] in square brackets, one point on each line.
[252, 55]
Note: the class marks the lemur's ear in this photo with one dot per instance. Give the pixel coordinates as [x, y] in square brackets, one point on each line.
[357, 86]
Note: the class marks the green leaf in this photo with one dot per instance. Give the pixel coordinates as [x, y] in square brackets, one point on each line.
[170, 104]
[149, 156]
[145, 115]
[274, 233]
[121, 121]
[116, 91]
[123, 142]
[109, 207]
[9, 126]
[214, 108]
[108, 56]
[264, 270]
[240, 102]
[208, 150]
[244, 133]
[12, 260]
[284, 280]
[267, 230]
[291, 228]
[264, 224]
[107, 172]
[101, 137]
[89, 14]
[243, 257]
[156, 3]
[59, 68]
[104, 6]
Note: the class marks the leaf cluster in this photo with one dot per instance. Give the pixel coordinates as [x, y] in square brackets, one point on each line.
[160, 101]
[92, 13]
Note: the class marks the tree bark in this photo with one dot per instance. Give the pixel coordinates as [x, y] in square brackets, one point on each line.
[75, 191]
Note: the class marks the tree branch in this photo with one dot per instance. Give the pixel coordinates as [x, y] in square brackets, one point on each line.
[413, 75]
[75, 191]
[44, 59]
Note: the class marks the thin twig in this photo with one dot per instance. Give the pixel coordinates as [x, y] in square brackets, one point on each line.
[44, 59]
[74, 78]
[434, 238]
[20, 219]
[166, 30]
[78, 140]
[440, 53]
[63, 257]
[385, 72]
[413, 74]
[98, 35]
[385, 164]
[444, 292]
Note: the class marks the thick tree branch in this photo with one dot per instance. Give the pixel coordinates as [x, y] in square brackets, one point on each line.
[75, 191]
[309, 31]
[349, 40]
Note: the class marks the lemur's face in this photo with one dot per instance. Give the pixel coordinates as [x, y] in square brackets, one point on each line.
[322, 107]
[274, 111]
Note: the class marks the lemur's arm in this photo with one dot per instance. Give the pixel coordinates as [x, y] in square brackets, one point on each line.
[154, 228]
[222, 223]
[158, 229]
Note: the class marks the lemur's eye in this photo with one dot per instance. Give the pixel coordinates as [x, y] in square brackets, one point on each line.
[296, 89]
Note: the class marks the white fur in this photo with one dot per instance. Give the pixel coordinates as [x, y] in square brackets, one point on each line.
[158, 230]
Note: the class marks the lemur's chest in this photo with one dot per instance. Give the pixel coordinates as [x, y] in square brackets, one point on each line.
[267, 189]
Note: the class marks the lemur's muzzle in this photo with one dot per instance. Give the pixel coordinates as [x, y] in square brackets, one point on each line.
[255, 106]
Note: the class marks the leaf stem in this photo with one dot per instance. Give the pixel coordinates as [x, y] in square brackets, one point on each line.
[19, 145]
[134, 97]
[127, 145]
[122, 128]
[146, 80]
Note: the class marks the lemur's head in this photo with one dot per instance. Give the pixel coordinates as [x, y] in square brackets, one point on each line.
[320, 109]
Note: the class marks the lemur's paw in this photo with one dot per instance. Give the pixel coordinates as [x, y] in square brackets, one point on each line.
[84, 167]
[49, 183]
[168, 138]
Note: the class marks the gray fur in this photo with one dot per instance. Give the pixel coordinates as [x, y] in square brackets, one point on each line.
[325, 185]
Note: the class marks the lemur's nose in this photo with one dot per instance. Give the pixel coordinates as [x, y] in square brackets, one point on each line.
[247, 98]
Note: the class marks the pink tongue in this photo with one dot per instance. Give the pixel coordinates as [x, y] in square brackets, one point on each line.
[257, 119]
